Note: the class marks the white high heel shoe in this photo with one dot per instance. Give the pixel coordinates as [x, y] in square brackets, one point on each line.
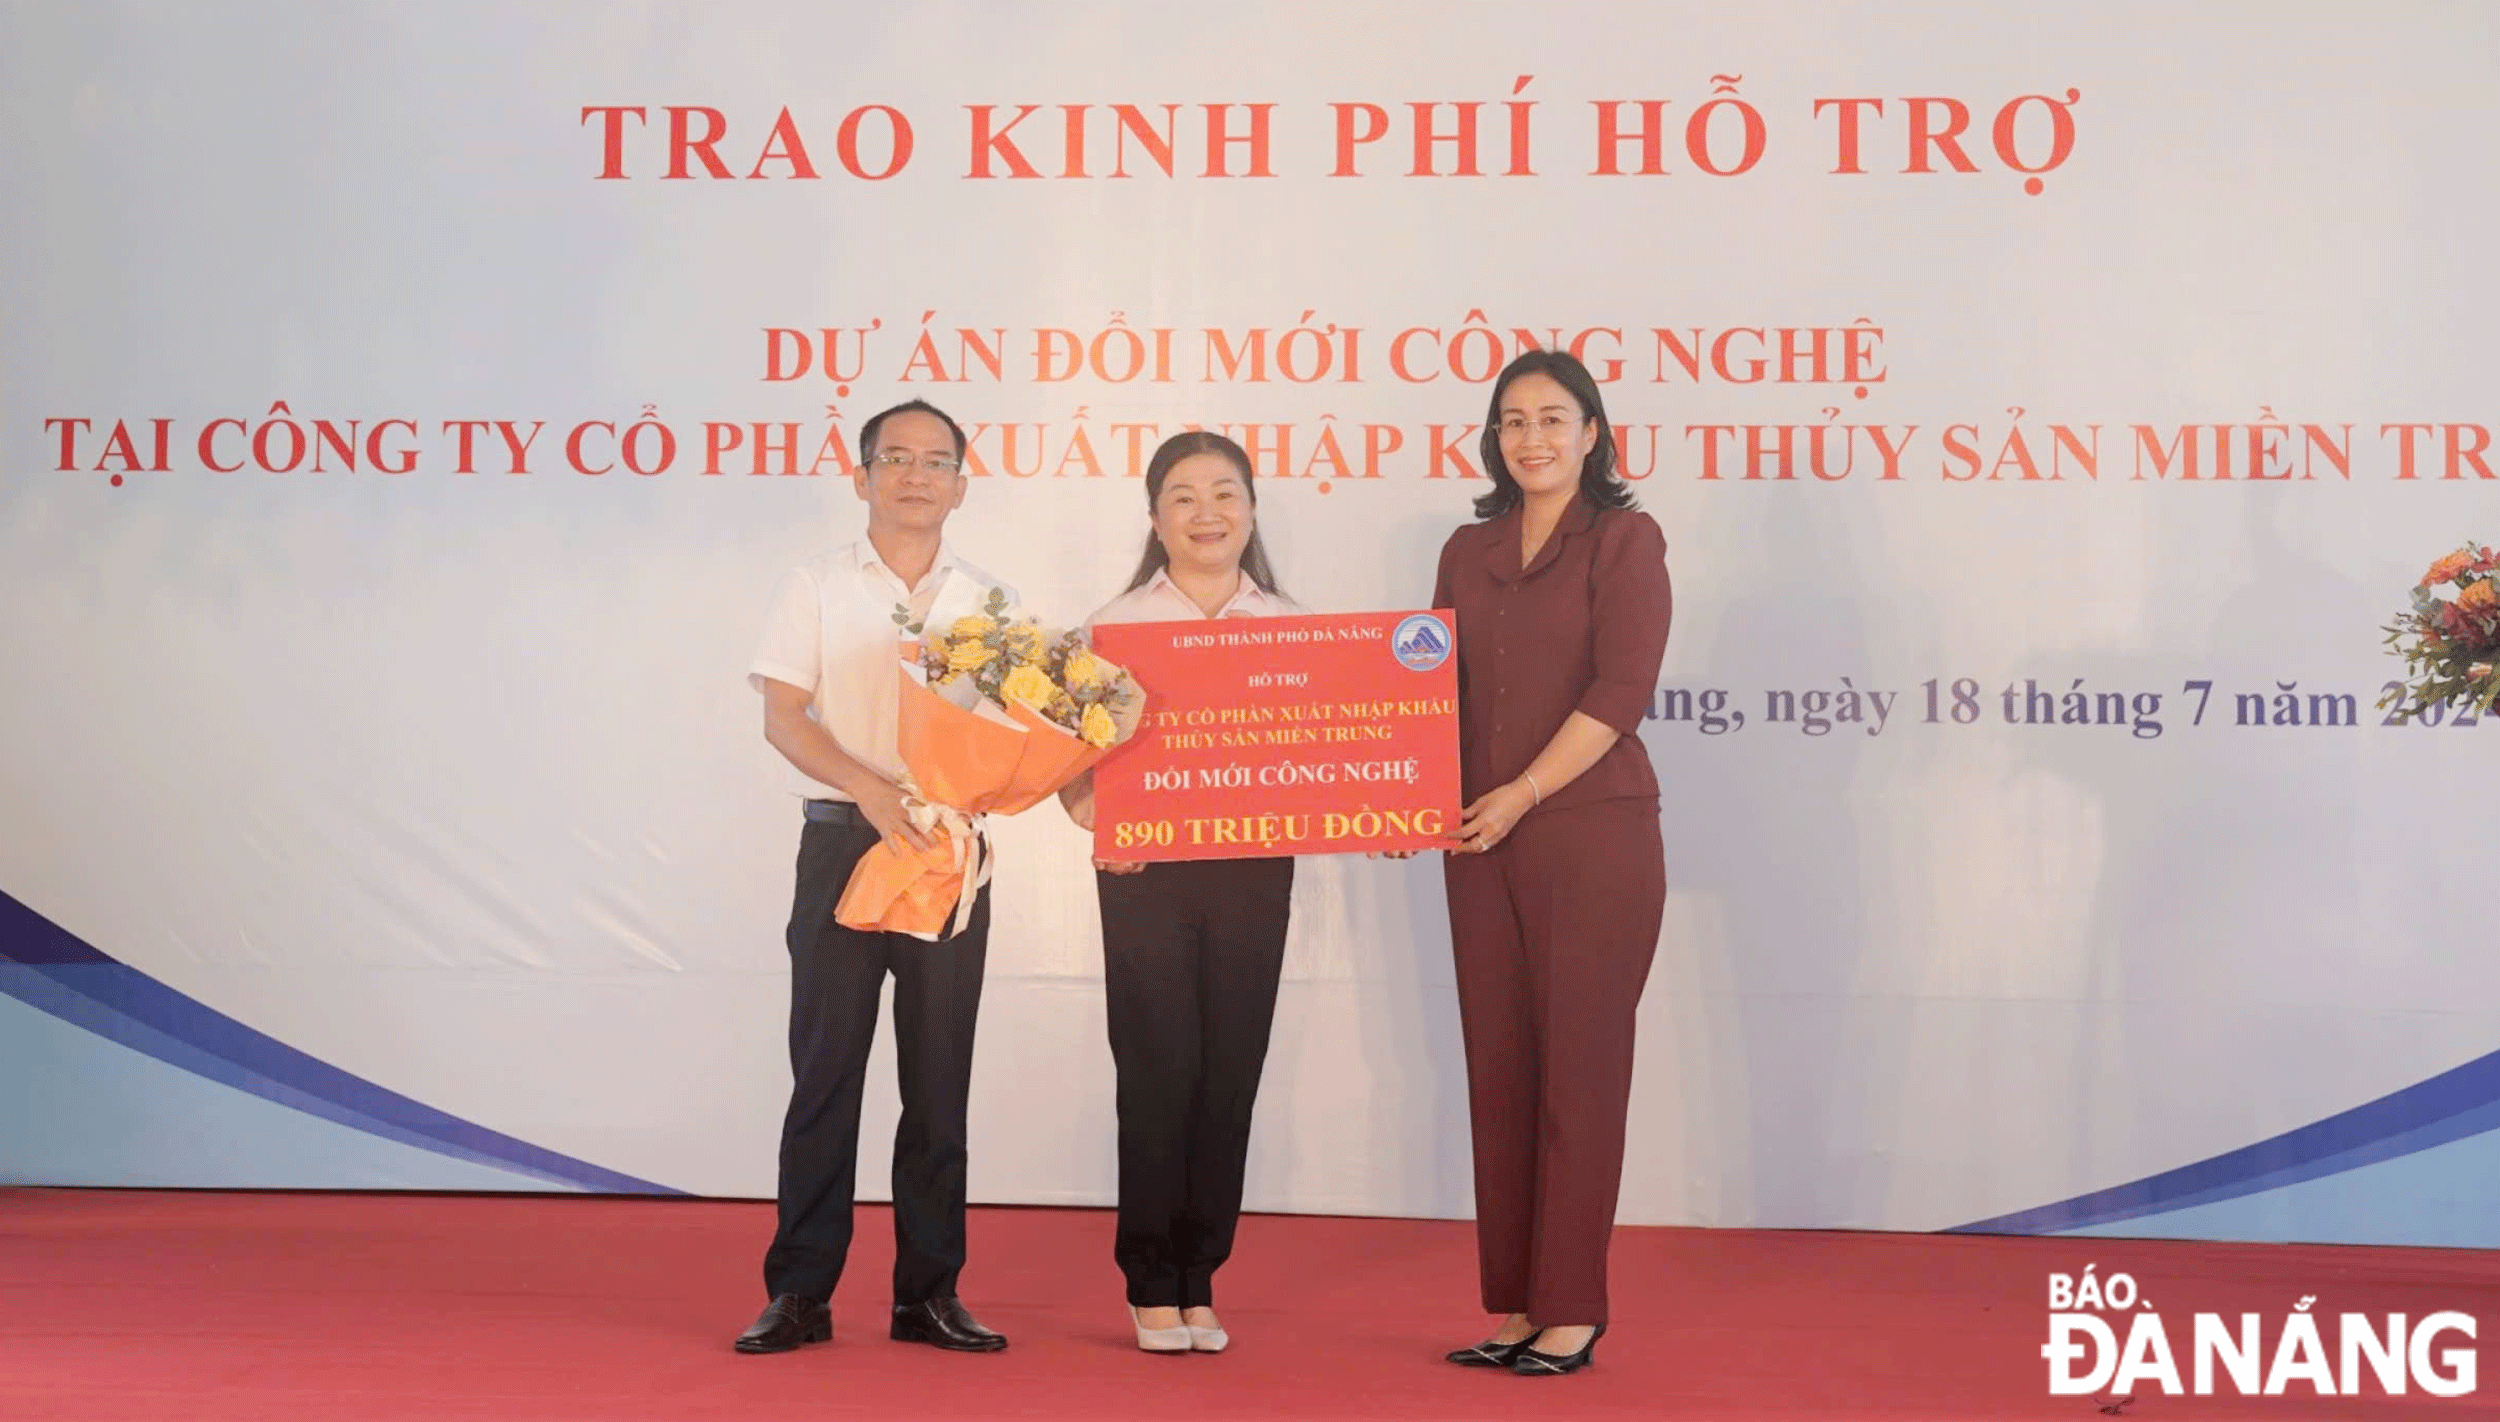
[1160, 1340]
[1208, 1340]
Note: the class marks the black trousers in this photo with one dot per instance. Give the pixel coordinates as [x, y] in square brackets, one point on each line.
[1191, 957]
[836, 976]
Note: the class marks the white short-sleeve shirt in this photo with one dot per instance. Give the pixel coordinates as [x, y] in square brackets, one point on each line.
[832, 632]
[1160, 600]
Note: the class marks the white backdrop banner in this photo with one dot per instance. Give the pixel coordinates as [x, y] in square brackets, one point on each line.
[411, 409]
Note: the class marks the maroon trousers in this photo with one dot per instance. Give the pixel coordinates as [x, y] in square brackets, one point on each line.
[1553, 932]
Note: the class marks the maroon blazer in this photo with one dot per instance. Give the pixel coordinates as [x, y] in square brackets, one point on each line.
[1583, 628]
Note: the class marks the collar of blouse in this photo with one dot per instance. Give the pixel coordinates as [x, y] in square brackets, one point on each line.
[1501, 552]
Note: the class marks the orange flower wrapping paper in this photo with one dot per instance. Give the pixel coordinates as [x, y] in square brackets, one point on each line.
[997, 756]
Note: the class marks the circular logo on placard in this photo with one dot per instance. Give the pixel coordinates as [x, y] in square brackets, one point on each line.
[1420, 643]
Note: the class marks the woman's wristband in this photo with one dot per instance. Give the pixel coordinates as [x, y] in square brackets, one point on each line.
[1533, 789]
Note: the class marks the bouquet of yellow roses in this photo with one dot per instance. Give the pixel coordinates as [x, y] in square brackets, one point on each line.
[997, 714]
[2450, 637]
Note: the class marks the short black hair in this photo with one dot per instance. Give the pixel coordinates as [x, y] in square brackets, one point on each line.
[868, 431]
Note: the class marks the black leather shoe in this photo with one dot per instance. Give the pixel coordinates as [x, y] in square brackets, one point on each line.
[786, 1323]
[1489, 1354]
[944, 1323]
[1532, 1364]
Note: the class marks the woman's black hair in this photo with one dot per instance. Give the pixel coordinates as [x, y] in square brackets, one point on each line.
[1598, 481]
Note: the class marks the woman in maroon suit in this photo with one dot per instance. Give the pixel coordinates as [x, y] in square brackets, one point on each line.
[1557, 880]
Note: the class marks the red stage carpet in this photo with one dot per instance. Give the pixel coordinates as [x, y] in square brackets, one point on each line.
[206, 1307]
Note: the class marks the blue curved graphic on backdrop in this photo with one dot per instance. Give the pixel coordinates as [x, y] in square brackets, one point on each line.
[48, 968]
[2453, 1105]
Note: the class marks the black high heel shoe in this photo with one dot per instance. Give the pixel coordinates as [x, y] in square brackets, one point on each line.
[1529, 1363]
[1491, 1355]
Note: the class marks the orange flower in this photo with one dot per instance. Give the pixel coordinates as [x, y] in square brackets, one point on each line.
[2479, 597]
[2448, 568]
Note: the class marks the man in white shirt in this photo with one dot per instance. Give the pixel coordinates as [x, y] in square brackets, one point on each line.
[827, 671]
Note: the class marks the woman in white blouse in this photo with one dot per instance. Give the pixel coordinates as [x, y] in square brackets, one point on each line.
[1191, 951]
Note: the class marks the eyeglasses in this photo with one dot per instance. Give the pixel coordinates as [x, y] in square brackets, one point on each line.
[1550, 426]
[898, 461]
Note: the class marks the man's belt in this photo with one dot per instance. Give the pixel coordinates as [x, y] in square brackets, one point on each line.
[835, 812]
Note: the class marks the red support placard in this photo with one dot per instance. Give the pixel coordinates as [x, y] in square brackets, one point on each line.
[1283, 735]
